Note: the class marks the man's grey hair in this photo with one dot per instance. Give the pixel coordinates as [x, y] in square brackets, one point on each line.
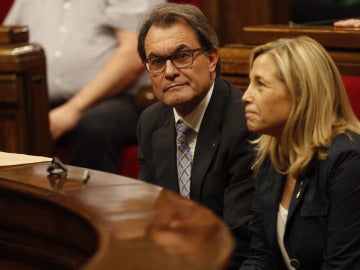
[168, 14]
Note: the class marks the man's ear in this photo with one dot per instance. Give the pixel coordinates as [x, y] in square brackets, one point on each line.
[213, 58]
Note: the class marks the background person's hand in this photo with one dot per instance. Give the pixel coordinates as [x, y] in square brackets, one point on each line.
[354, 23]
[62, 119]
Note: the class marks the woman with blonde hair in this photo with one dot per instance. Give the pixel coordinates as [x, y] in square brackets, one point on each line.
[307, 166]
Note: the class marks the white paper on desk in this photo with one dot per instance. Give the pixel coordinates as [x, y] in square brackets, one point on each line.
[9, 159]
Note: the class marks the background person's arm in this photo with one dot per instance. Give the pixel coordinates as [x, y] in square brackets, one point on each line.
[123, 68]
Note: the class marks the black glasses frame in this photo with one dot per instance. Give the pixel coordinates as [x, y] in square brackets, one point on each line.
[170, 57]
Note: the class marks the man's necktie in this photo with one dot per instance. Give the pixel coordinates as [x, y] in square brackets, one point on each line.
[184, 158]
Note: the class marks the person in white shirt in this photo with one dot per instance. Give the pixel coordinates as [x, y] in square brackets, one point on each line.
[93, 72]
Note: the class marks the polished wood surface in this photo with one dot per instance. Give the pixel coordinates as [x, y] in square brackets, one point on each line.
[23, 94]
[342, 44]
[328, 36]
[104, 222]
[13, 34]
[228, 17]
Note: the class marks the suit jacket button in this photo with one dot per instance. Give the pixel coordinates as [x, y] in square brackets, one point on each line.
[295, 263]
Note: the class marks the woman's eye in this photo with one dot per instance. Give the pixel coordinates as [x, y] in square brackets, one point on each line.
[260, 83]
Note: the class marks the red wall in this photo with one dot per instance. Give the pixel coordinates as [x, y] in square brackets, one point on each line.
[352, 85]
[194, 2]
[4, 7]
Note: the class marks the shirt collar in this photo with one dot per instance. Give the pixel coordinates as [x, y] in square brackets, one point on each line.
[193, 119]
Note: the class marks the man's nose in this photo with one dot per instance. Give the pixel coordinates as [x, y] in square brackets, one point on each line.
[170, 68]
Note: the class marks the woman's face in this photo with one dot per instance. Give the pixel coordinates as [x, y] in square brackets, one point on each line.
[267, 99]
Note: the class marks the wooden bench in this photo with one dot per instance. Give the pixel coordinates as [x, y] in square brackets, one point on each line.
[23, 94]
[342, 44]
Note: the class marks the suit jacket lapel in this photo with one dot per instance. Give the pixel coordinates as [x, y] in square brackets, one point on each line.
[209, 136]
[272, 190]
[204, 154]
[300, 188]
[164, 147]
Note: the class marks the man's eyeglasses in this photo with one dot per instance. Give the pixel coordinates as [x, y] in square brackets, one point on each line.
[181, 59]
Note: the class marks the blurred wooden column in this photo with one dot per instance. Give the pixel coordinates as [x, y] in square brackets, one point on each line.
[229, 17]
[24, 126]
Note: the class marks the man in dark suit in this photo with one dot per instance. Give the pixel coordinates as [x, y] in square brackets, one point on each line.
[180, 51]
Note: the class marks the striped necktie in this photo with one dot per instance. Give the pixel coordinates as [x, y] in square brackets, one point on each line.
[184, 159]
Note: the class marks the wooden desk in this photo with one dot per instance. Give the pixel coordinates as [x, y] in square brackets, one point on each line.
[110, 222]
[342, 44]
